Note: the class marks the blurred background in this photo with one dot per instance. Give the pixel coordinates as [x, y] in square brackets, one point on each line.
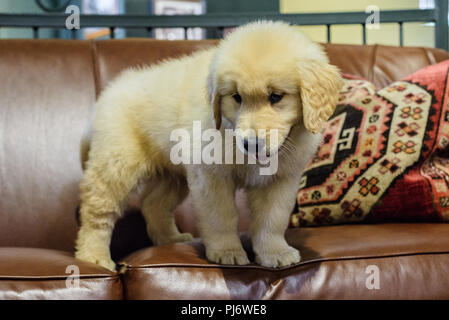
[414, 33]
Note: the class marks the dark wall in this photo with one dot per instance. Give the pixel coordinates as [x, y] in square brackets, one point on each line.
[213, 6]
[230, 6]
[138, 7]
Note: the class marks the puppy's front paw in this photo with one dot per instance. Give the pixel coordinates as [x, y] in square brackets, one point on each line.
[180, 237]
[183, 237]
[228, 256]
[103, 260]
[278, 257]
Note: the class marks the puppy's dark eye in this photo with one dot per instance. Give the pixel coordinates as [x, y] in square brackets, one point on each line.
[275, 98]
[237, 98]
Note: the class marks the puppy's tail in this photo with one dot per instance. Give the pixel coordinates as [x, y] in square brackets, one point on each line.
[84, 149]
[86, 140]
[84, 156]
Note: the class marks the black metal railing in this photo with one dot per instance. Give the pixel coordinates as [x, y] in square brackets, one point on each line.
[218, 22]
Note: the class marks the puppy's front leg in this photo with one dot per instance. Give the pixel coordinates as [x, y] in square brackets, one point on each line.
[270, 208]
[217, 217]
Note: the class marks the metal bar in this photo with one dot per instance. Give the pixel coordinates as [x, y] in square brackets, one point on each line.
[185, 33]
[441, 24]
[401, 34]
[220, 32]
[36, 32]
[214, 33]
[364, 33]
[112, 32]
[328, 28]
[215, 20]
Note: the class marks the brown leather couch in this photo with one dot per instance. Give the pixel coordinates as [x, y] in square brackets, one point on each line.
[47, 92]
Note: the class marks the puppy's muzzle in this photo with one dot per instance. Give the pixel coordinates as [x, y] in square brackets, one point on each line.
[255, 146]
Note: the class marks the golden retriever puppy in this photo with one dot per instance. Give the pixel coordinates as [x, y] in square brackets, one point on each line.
[264, 77]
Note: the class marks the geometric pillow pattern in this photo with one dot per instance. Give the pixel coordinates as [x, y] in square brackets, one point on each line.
[384, 155]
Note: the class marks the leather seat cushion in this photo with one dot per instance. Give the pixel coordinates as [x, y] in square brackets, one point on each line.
[30, 273]
[412, 260]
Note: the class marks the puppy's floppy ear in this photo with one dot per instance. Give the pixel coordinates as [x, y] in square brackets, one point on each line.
[216, 103]
[215, 99]
[319, 86]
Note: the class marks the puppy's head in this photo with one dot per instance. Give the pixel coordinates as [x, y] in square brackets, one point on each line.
[268, 75]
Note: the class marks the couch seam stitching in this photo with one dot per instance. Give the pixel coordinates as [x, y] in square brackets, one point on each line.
[373, 62]
[428, 56]
[58, 278]
[131, 268]
[95, 67]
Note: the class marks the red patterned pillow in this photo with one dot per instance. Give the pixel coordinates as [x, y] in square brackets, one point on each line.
[384, 155]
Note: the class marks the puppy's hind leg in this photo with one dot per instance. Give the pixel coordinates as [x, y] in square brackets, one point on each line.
[103, 190]
[158, 209]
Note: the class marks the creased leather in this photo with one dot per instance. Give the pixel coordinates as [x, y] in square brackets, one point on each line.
[412, 261]
[32, 273]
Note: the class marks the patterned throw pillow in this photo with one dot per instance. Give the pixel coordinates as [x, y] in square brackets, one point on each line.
[384, 155]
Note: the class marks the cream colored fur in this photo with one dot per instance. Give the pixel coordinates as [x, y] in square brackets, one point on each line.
[130, 143]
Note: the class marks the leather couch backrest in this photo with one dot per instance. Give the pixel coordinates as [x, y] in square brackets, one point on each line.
[47, 93]
[382, 64]
[46, 96]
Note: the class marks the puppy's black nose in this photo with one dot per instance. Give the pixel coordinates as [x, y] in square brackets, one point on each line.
[254, 146]
[245, 144]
